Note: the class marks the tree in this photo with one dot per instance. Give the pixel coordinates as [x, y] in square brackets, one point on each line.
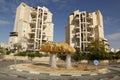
[76, 56]
[118, 55]
[96, 50]
[17, 47]
[61, 47]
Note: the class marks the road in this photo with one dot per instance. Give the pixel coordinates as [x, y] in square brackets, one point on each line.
[7, 74]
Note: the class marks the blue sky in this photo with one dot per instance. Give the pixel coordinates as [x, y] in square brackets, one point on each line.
[61, 9]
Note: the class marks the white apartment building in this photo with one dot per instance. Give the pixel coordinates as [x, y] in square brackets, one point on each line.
[3, 45]
[33, 26]
[84, 27]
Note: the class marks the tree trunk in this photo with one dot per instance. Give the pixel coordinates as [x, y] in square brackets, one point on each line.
[68, 61]
[50, 60]
[53, 60]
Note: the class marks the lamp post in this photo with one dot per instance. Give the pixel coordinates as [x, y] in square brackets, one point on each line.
[15, 61]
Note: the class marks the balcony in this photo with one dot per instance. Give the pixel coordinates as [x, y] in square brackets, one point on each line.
[91, 35]
[77, 27]
[33, 13]
[77, 33]
[33, 19]
[77, 17]
[30, 44]
[44, 38]
[77, 46]
[89, 15]
[85, 41]
[32, 23]
[45, 13]
[43, 34]
[31, 40]
[91, 26]
[84, 30]
[13, 34]
[90, 23]
[90, 19]
[77, 36]
[32, 27]
[45, 17]
[32, 32]
[44, 26]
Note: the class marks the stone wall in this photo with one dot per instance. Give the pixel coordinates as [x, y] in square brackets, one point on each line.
[21, 58]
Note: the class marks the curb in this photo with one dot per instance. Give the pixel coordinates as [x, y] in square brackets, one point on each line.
[65, 75]
[53, 74]
[12, 75]
[93, 74]
[33, 72]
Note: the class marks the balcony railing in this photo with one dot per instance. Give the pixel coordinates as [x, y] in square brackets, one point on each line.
[33, 13]
[33, 19]
[44, 38]
[13, 33]
[32, 23]
[91, 26]
[44, 34]
[77, 17]
[89, 15]
[31, 40]
[32, 32]
[77, 27]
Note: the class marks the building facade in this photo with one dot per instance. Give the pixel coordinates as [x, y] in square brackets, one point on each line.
[84, 27]
[33, 26]
[3, 45]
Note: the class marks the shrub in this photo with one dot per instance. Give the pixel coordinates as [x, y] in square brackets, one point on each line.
[29, 54]
[62, 56]
[117, 55]
[8, 52]
[4, 51]
[21, 54]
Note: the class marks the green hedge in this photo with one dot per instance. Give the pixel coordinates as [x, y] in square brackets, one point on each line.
[29, 54]
[78, 55]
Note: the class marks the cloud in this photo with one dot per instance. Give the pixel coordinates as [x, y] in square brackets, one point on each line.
[114, 36]
[112, 29]
[3, 22]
